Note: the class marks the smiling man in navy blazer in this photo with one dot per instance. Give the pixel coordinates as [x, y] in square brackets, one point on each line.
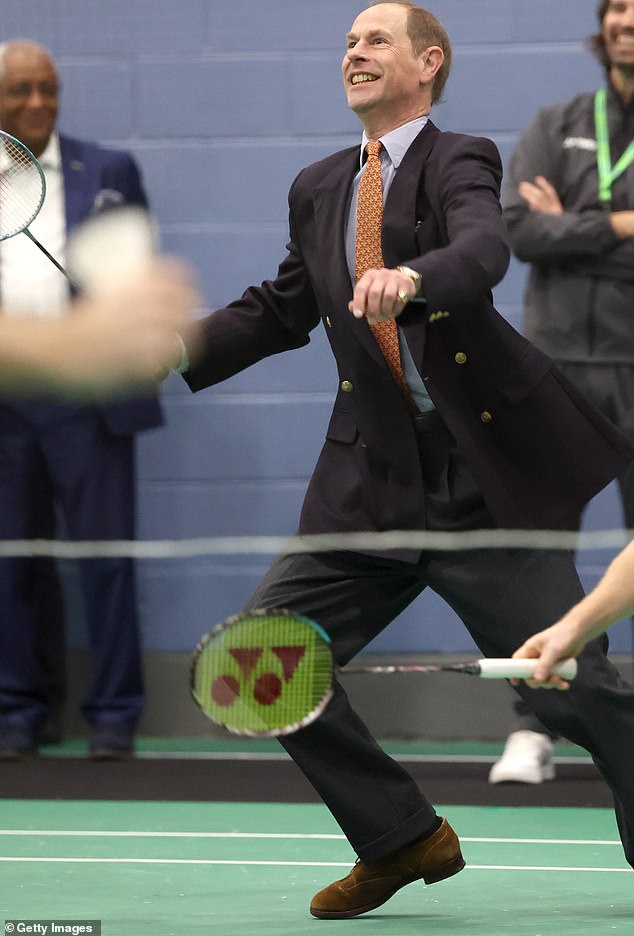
[85, 453]
[498, 438]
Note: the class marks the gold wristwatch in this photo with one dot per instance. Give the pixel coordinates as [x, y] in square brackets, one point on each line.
[415, 277]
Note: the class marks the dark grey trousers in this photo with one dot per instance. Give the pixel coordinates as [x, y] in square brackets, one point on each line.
[502, 596]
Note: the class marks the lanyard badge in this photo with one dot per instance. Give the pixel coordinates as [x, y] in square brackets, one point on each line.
[607, 172]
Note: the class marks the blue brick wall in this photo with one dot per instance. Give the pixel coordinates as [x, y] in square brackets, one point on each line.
[223, 104]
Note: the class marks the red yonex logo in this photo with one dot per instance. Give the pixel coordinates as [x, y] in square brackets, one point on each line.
[267, 686]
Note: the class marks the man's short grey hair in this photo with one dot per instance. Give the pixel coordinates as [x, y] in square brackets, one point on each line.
[424, 29]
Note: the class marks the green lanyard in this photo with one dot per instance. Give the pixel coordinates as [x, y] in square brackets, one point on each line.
[607, 172]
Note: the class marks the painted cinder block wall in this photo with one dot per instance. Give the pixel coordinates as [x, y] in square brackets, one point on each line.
[223, 103]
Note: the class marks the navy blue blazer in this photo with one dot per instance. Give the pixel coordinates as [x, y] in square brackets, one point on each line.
[91, 173]
[536, 447]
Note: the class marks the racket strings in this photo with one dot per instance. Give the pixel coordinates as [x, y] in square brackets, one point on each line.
[263, 673]
[22, 188]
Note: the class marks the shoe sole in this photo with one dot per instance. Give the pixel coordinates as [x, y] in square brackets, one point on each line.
[439, 874]
[447, 870]
[548, 773]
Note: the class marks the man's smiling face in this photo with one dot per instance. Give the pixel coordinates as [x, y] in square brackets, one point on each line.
[381, 73]
[618, 33]
[29, 96]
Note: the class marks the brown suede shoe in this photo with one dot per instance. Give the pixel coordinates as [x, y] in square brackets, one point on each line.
[370, 885]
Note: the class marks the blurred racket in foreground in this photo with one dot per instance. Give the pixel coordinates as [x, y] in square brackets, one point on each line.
[111, 247]
[105, 249]
[268, 673]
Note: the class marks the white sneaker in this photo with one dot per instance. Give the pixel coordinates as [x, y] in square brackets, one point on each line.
[527, 758]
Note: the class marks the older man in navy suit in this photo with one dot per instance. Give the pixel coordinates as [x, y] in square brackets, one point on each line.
[474, 428]
[82, 454]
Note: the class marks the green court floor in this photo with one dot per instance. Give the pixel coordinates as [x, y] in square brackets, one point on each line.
[241, 869]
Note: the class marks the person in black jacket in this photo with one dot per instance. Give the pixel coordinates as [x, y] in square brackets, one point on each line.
[569, 208]
[467, 426]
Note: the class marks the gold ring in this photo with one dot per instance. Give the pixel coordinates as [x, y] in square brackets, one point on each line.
[402, 295]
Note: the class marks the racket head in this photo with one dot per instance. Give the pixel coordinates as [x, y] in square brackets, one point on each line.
[111, 246]
[22, 186]
[263, 673]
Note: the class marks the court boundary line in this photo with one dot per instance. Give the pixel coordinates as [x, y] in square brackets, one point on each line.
[292, 836]
[577, 760]
[292, 864]
[574, 759]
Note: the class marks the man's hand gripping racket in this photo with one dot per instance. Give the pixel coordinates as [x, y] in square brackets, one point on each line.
[269, 673]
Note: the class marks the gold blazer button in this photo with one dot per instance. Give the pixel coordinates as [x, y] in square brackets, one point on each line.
[346, 386]
[460, 358]
[485, 416]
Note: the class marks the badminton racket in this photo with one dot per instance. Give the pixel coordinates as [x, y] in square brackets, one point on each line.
[269, 672]
[22, 192]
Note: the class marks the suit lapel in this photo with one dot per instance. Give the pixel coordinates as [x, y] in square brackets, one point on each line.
[399, 225]
[80, 185]
[399, 215]
[331, 200]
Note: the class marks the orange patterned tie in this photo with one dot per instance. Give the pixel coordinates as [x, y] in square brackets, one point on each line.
[370, 257]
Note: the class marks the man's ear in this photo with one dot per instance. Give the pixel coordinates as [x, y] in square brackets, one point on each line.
[430, 61]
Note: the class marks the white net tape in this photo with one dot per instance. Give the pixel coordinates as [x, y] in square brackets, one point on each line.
[325, 542]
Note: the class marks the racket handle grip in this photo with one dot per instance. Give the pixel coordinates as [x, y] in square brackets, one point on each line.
[522, 669]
